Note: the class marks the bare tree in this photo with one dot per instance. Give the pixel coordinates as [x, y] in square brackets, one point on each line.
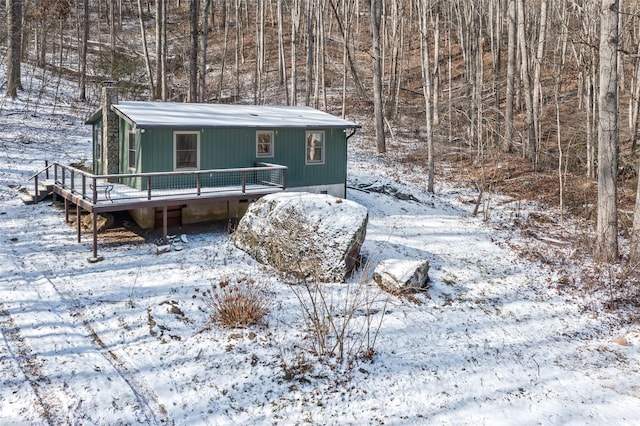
[423, 14]
[145, 49]
[204, 37]
[537, 70]
[311, 9]
[375, 13]
[82, 88]
[511, 70]
[295, 26]
[607, 223]
[525, 75]
[160, 59]
[282, 64]
[14, 47]
[194, 9]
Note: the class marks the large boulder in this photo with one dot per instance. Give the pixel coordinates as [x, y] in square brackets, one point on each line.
[314, 236]
[402, 275]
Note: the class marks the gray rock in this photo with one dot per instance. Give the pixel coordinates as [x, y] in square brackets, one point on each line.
[402, 275]
[103, 222]
[314, 236]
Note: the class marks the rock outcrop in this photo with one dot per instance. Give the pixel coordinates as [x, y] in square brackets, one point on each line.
[312, 236]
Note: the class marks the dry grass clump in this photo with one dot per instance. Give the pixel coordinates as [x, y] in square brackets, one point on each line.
[236, 304]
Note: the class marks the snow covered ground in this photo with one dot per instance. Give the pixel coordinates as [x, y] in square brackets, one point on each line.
[129, 340]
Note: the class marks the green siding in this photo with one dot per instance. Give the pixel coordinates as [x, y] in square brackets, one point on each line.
[231, 148]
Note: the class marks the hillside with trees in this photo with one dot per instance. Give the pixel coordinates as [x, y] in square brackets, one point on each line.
[510, 93]
[498, 149]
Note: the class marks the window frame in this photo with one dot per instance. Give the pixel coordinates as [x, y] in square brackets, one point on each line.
[307, 159]
[132, 151]
[271, 152]
[175, 152]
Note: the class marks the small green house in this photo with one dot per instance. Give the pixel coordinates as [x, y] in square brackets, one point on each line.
[150, 137]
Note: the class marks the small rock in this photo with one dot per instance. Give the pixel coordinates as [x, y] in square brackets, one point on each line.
[621, 340]
[177, 247]
[163, 249]
[184, 238]
[103, 222]
[401, 275]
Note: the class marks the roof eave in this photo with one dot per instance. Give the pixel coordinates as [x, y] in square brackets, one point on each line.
[231, 126]
[94, 117]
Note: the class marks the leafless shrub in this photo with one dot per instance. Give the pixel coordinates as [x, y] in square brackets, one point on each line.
[343, 320]
[236, 304]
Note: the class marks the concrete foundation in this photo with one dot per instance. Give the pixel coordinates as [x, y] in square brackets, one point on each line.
[145, 218]
[195, 213]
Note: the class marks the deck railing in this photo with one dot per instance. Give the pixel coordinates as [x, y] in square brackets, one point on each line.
[115, 188]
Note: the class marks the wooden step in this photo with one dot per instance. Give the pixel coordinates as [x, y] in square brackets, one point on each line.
[29, 197]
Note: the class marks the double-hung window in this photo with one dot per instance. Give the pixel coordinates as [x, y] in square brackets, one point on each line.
[315, 147]
[264, 143]
[131, 148]
[186, 150]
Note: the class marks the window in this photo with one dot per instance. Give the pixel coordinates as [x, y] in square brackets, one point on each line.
[132, 150]
[186, 146]
[315, 147]
[97, 139]
[264, 143]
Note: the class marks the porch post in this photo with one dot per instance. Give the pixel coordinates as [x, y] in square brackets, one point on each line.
[78, 220]
[95, 258]
[164, 224]
[66, 211]
[95, 234]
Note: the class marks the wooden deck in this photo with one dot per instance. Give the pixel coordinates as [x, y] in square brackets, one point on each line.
[122, 192]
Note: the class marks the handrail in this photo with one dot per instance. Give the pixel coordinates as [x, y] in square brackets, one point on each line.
[175, 173]
[118, 187]
[48, 166]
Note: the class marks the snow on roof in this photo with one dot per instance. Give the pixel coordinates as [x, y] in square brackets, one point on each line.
[184, 115]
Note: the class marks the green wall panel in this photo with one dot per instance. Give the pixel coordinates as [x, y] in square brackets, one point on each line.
[231, 148]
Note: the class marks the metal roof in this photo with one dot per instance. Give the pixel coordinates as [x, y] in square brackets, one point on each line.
[193, 115]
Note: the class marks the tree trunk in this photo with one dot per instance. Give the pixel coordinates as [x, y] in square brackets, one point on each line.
[525, 75]
[295, 26]
[607, 224]
[194, 9]
[82, 89]
[165, 52]
[204, 38]
[435, 110]
[375, 12]
[282, 63]
[310, 51]
[537, 70]
[14, 48]
[426, 87]
[158, 46]
[145, 49]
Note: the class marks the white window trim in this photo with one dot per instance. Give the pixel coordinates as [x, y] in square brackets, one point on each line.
[265, 132]
[135, 150]
[175, 157]
[306, 148]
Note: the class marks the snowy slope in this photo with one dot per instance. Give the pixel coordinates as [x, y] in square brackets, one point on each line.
[129, 340]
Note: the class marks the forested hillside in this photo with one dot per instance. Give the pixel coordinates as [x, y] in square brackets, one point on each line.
[505, 90]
